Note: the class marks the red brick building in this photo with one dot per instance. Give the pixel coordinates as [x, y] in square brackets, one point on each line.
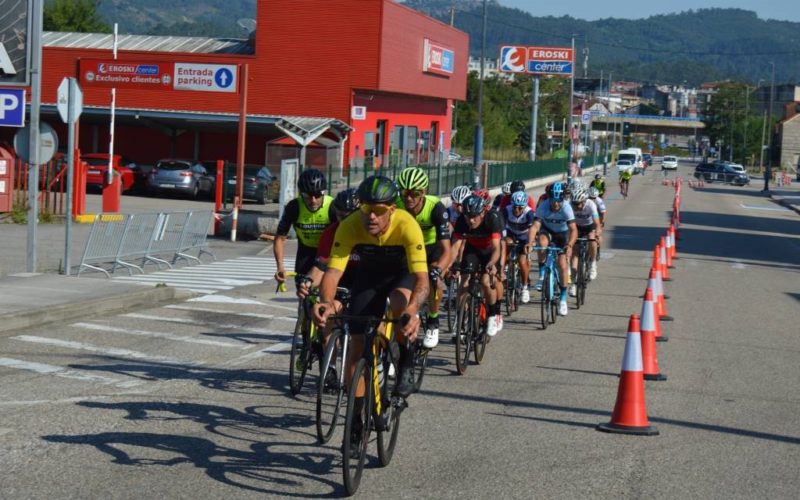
[352, 78]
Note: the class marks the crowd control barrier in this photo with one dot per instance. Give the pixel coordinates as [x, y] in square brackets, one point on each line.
[130, 241]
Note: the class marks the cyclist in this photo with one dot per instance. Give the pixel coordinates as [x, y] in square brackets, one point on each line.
[519, 220]
[310, 213]
[458, 195]
[557, 223]
[516, 186]
[392, 265]
[432, 218]
[504, 192]
[624, 182]
[477, 240]
[587, 221]
[599, 183]
[596, 197]
[495, 217]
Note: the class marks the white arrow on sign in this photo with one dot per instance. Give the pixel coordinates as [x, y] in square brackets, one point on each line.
[62, 102]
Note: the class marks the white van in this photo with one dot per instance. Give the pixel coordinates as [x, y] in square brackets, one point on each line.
[634, 155]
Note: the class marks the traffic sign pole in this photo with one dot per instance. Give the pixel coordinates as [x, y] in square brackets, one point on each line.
[534, 117]
[33, 164]
[72, 93]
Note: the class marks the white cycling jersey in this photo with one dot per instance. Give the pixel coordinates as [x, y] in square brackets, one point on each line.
[588, 215]
[601, 205]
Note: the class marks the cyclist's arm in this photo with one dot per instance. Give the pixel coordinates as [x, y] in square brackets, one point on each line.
[290, 214]
[417, 263]
[495, 258]
[572, 234]
[441, 223]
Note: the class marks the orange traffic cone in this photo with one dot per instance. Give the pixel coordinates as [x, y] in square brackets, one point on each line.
[649, 354]
[661, 310]
[654, 286]
[668, 250]
[662, 260]
[630, 415]
[674, 242]
[657, 266]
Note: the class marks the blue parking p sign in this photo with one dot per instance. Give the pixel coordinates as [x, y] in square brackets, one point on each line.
[12, 107]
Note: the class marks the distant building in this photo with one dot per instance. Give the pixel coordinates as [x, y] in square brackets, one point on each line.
[788, 142]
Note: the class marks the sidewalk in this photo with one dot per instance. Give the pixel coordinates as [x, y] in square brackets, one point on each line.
[33, 299]
[789, 196]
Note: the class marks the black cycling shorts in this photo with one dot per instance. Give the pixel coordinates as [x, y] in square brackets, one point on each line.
[369, 292]
[304, 259]
[584, 231]
[475, 259]
[557, 239]
[433, 253]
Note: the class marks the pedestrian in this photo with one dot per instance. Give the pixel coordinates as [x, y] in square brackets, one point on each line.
[767, 175]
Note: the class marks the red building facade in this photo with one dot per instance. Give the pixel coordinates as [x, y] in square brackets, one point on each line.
[386, 72]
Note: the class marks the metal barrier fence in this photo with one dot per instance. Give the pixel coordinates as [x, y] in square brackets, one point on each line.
[120, 240]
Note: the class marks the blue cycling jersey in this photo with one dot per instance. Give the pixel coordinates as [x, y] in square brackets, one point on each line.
[517, 226]
[555, 222]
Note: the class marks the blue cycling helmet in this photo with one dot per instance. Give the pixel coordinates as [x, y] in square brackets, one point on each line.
[519, 199]
[557, 193]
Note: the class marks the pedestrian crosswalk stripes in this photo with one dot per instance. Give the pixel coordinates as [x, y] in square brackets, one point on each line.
[214, 277]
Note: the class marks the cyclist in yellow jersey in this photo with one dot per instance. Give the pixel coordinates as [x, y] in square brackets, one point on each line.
[392, 263]
[624, 182]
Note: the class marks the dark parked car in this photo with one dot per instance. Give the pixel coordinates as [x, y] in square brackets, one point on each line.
[180, 176]
[260, 184]
[718, 172]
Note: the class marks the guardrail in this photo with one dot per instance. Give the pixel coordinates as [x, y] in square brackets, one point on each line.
[162, 238]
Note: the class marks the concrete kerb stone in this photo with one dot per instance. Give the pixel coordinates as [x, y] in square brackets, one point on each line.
[86, 307]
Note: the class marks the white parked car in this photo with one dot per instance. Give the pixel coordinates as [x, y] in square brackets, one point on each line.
[669, 163]
[623, 165]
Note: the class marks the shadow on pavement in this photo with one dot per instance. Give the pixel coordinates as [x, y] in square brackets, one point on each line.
[590, 372]
[744, 223]
[732, 190]
[266, 466]
[605, 414]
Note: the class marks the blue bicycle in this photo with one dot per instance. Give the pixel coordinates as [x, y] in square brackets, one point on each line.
[550, 289]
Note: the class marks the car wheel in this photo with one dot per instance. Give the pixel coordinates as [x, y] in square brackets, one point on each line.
[195, 190]
[261, 198]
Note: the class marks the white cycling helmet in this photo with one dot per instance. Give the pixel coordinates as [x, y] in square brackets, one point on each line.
[507, 188]
[459, 194]
[579, 195]
[594, 192]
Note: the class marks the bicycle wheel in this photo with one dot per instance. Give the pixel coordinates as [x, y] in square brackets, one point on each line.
[420, 363]
[352, 467]
[583, 270]
[331, 395]
[479, 338]
[299, 358]
[451, 305]
[464, 322]
[579, 281]
[555, 297]
[518, 292]
[546, 299]
[388, 421]
[511, 287]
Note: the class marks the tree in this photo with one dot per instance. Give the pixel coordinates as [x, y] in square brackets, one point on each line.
[74, 15]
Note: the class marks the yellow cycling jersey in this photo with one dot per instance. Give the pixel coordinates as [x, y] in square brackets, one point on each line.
[400, 249]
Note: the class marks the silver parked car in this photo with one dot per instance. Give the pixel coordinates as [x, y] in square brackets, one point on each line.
[180, 176]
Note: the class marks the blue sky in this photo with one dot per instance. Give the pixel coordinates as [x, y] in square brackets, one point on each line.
[784, 10]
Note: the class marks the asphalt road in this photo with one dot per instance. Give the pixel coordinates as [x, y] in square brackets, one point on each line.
[191, 401]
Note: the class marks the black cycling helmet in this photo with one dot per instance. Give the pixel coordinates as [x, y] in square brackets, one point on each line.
[347, 200]
[377, 189]
[473, 205]
[517, 185]
[312, 181]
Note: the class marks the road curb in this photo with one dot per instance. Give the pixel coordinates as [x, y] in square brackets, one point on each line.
[85, 309]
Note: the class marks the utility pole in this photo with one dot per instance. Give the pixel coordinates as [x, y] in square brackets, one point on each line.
[33, 144]
[768, 172]
[746, 119]
[477, 157]
[571, 93]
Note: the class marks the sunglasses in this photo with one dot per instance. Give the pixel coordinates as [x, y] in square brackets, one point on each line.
[473, 216]
[412, 193]
[368, 208]
[319, 194]
[519, 207]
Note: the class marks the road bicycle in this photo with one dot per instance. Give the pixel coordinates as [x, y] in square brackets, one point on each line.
[623, 188]
[420, 351]
[550, 291]
[331, 388]
[306, 344]
[513, 281]
[581, 278]
[382, 408]
[471, 320]
[451, 301]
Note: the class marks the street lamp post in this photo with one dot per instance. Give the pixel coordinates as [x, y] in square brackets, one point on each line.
[477, 157]
[768, 171]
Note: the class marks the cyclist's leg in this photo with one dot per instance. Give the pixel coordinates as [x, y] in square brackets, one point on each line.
[524, 263]
[544, 242]
[431, 325]
[399, 297]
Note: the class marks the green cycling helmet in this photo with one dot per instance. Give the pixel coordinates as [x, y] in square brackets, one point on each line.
[412, 178]
[377, 189]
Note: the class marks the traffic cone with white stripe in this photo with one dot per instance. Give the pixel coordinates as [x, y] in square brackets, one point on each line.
[668, 250]
[654, 285]
[661, 304]
[662, 260]
[674, 242]
[649, 351]
[630, 414]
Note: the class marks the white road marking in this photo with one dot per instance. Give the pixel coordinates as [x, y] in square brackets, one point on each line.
[280, 347]
[232, 313]
[161, 335]
[771, 209]
[224, 299]
[738, 265]
[227, 326]
[109, 351]
[58, 371]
